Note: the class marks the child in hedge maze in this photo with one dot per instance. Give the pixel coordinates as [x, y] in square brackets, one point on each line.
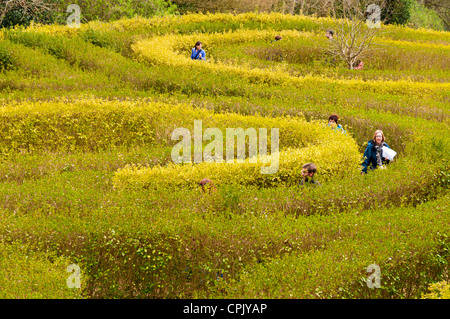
[329, 34]
[358, 65]
[373, 155]
[308, 171]
[333, 123]
[277, 38]
[197, 52]
[279, 56]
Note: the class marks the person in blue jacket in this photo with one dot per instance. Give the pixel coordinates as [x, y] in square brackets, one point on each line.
[197, 52]
[373, 155]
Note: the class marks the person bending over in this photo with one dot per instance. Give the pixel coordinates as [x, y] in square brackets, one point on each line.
[203, 184]
[358, 65]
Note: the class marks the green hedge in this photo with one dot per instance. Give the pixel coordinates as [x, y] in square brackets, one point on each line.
[26, 273]
[410, 247]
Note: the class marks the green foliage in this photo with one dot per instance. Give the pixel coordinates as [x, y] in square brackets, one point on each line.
[27, 273]
[337, 268]
[102, 10]
[438, 290]
[396, 11]
[6, 59]
[24, 12]
[16, 16]
[109, 10]
[422, 17]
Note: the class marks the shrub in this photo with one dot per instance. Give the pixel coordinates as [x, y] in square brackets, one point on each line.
[422, 17]
[28, 274]
[14, 13]
[438, 290]
[110, 10]
[330, 162]
[6, 59]
[339, 270]
[397, 12]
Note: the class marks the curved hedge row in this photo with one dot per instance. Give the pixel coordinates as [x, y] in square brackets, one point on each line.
[95, 124]
[225, 21]
[333, 158]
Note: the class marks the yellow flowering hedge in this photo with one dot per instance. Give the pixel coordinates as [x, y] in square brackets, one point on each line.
[438, 290]
[263, 19]
[333, 160]
[155, 22]
[94, 123]
[335, 155]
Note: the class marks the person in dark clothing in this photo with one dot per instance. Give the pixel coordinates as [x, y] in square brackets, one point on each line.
[373, 155]
[278, 55]
[308, 171]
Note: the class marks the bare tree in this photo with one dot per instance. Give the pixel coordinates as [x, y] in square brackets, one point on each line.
[356, 22]
[31, 8]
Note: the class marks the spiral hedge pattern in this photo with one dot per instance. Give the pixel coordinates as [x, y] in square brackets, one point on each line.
[87, 176]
